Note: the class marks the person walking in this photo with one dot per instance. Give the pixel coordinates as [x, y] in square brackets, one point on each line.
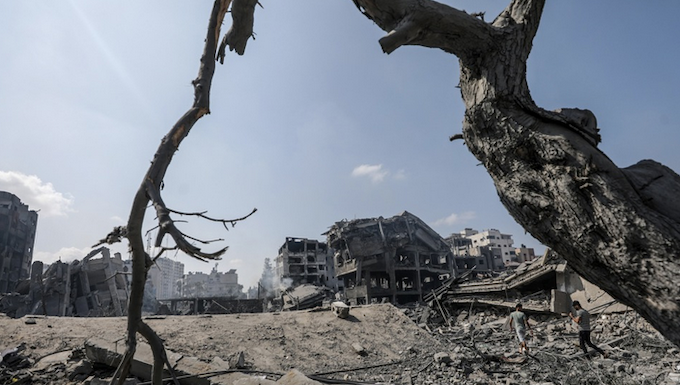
[519, 321]
[582, 318]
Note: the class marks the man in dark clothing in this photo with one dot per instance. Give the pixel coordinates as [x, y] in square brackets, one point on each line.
[582, 318]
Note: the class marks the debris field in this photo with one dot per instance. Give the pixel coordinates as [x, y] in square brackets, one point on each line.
[373, 344]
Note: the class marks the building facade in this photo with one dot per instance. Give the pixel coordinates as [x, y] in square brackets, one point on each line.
[486, 251]
[215, 284]
[525, 254]
[302, 260]
[166, 276]
[397, 259]
[494, 239]
[17, 237]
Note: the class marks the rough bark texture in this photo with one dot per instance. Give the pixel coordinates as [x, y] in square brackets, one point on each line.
[619, 228]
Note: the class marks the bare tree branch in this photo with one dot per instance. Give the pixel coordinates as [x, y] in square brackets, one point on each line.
[167, 226]
[224, 222]
[428, 23]
[152, 183]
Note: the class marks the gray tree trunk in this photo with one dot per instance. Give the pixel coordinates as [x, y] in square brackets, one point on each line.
[619, 228]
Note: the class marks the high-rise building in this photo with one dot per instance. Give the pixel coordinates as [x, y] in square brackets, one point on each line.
[303, 260]
[17, 236]
[166, 276]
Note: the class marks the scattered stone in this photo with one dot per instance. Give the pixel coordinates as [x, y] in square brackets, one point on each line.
[358, 349]
[238, 360]
[80, 370]
[442, 357]
[340, 309]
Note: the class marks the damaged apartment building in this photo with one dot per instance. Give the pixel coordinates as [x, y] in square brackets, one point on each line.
[398, 259]
[302, 260]
[17, 236]
[93, 286]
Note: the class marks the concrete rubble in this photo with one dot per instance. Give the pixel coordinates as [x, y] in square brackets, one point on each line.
[93, 286]
[305, 296]
[378, 344]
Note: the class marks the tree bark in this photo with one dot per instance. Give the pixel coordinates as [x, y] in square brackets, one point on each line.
[616, 227]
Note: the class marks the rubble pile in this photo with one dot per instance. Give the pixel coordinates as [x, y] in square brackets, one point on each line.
[484, 350]
[89, 287]
[373, 344]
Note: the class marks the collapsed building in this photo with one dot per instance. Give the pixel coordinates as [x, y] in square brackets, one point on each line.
[302, 260]
[397, 259]
[17, 236]
[87, 288]
[545, 285]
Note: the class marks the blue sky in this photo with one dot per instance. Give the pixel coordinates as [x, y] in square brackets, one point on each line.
[313, 125]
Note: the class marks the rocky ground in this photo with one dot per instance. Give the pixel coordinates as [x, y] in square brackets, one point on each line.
[376, 344]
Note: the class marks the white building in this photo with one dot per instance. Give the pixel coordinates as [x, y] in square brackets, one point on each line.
[166, 276]
[215, 284]
[489, 250]
[494, 239]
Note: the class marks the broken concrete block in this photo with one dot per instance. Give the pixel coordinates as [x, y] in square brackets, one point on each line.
[110, 353]
[358, 349]
[294, 377]
[340, 309]
[442, 357]
[56, 358]
[253, 381]
[79, 370]
[219, 364]
[238, 360]
[674, 378]
[107, 381]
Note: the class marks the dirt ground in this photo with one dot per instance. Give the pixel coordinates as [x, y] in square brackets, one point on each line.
[474, 349]
[310, 341]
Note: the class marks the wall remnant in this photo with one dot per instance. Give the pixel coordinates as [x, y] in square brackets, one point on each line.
[398, 259]
[17, 236]
[89, 287]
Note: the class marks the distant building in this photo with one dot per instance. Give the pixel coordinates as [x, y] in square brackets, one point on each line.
[489, 250]
[398, 259]
[166, 276]
[17, 236]
[525, 254]
[485, 258]
[495, 239]
[215, 284]
[303, 260]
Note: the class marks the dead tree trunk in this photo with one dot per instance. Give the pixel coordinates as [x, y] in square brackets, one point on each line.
[150, 188]
[619, 228]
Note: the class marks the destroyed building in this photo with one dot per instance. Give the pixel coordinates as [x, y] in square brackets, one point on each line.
[546, 284]
[487, 251]
[397, 259]
[17, 236]
[303, 260]
[93, 286]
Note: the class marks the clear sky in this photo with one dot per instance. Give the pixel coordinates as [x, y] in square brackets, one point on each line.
[313, 125]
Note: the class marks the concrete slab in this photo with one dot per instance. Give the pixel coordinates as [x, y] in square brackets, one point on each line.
[294, 377]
